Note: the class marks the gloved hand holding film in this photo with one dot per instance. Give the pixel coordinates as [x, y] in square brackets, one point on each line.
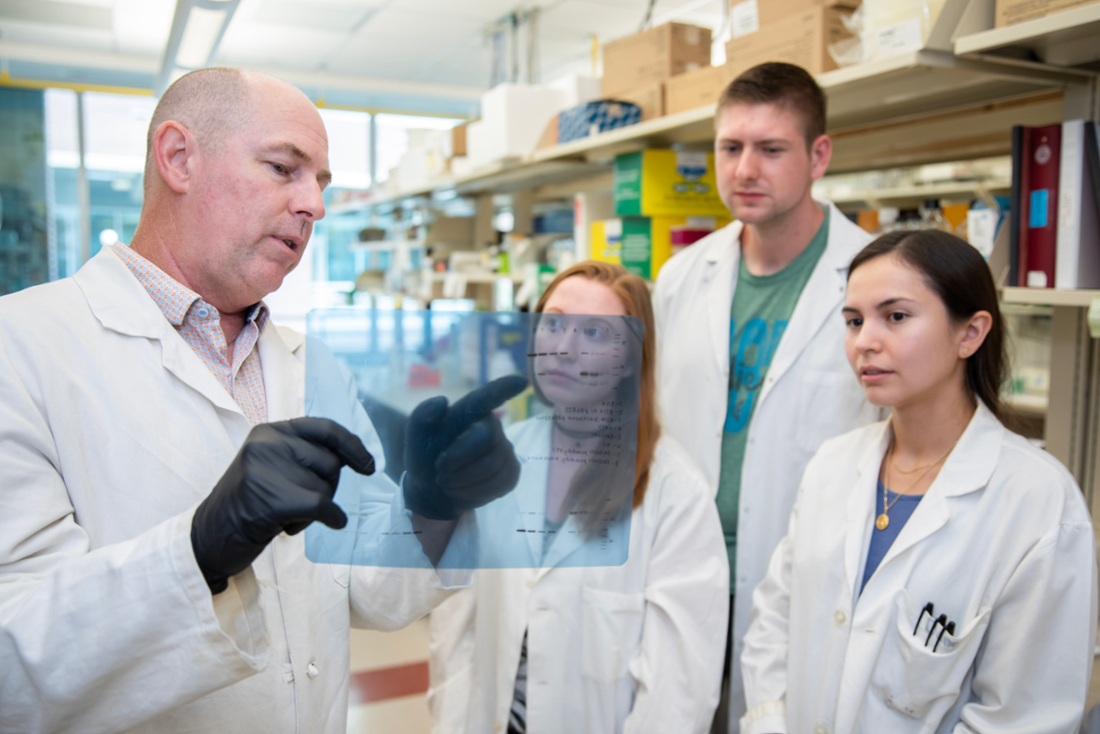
[282, 479]
[457, 458]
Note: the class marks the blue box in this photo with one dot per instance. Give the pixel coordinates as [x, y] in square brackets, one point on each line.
[596, 117]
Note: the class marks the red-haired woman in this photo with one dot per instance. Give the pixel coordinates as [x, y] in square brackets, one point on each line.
[635, 647]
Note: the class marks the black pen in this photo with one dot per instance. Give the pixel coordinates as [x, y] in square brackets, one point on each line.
[949, 629]
[929, 610]
[941, 621]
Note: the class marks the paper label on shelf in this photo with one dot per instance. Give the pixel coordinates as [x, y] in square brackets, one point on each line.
[1036, 279]
[746, 18]
[981, 228]
[1094, 318]
[898, 38]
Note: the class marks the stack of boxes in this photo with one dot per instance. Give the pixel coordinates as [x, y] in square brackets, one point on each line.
[664, 200]
[795, 31]
[636, 68]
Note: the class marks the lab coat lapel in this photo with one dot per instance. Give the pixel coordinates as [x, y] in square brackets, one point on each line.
[719, 281]
[968, 468]
[823, 293]
[122, 305]
[285, 380]
[861, 509]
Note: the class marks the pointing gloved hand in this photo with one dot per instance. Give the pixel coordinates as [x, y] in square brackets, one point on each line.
[457, 458]
[283, 478]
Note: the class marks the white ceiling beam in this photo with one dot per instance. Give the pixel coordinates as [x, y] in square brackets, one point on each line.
[57, 55]
[326, 80]
[62, 56]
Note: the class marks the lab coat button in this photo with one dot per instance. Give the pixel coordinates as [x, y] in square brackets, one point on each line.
[840, 617]
[820, 729]
[497, 726]
[311, 671]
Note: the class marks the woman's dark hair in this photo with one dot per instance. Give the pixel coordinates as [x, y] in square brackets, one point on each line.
[961, 278]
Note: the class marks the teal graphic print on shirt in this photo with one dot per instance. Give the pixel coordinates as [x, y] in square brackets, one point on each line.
[761, 309]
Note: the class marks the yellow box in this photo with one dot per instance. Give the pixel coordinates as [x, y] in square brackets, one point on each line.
[666, 183]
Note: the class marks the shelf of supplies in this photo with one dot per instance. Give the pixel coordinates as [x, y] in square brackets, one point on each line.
[484, 278]
[1034, 404]
[917, 193]
[1062, 39]
[1049, 296]
[382, 245]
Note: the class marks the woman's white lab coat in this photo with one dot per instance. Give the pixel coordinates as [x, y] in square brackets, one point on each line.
[112, 430]
[1002, 544]
[633, 648]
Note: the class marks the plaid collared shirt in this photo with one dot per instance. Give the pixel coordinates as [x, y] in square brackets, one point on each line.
[199, 324]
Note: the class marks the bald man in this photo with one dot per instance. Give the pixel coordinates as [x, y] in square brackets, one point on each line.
[155, 470]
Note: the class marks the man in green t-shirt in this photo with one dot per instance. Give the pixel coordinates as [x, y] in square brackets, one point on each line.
[752, 375]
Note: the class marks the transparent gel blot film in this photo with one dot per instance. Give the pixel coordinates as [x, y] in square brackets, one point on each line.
[574, 430]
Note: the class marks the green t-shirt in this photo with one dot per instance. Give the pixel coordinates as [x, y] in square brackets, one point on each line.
[762, 306]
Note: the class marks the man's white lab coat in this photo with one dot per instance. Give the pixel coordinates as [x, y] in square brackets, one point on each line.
[111, 432]
[1002, 544]
[632, 648]
[810, 393]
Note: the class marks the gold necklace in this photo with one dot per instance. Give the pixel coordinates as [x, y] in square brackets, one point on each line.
[883, 521]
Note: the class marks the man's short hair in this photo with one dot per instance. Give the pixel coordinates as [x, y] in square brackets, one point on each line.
[211, 103]
[780, 84]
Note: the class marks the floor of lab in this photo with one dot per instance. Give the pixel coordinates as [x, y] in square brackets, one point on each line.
[389, 674]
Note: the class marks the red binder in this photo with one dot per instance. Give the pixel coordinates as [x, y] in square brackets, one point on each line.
[1039, 206]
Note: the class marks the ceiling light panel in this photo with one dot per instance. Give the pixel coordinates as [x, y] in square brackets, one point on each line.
[141, 26]
[199, 36]
[258, 44]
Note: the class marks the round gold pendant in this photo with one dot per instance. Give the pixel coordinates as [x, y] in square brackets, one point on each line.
[882, 521]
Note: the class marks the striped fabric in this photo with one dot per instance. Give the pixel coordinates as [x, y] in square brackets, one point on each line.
[199, 323]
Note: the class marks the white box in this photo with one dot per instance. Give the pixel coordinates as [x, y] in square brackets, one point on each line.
[513, 117]
[578, 89]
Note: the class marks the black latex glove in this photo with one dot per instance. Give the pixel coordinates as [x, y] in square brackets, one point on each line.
[283, 478]
[457, 458]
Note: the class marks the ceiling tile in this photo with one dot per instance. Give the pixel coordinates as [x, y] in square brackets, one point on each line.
[273, 45]
[84, 15]
[142, 26]
[414, 28]
[324, 16]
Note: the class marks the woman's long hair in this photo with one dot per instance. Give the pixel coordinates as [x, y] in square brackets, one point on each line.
[634, 294]
[961, 278]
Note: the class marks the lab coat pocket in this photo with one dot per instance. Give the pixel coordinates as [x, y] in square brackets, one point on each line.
[611, 627]
[912, 679]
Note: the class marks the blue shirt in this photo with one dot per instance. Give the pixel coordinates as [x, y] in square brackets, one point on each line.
[881, 540]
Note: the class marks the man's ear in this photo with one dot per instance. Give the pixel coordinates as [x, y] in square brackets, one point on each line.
[173, 148]
[821, 152]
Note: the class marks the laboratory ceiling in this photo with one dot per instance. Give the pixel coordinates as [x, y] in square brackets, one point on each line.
[417, 55]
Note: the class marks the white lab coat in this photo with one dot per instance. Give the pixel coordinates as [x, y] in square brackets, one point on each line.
[1002, 544]
[111, 432]
[633, 648]
[810, 393]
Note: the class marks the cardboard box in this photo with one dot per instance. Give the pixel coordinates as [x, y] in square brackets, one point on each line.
[653, 56]
[643, 244]
[802, 40]
[667, 183]
[749, 16]
[454, 145]
[694, 89]
[1010, 12]
[650, 98]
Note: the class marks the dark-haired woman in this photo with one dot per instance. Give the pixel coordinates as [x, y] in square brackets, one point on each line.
[565, 647]
[939, 573]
